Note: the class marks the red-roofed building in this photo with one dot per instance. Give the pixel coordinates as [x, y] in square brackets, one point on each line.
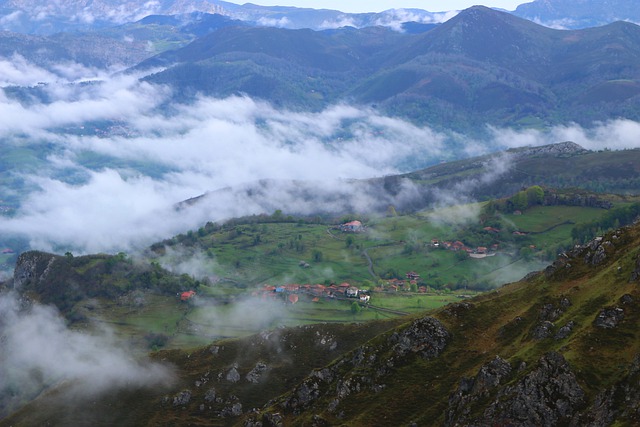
[352, 227]
[185, 296]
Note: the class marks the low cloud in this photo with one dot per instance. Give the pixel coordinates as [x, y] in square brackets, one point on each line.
[156, 157]
[17, 71]
[38, 350]
[617, 134]
[394, 18]
[283, 22]
[114, 159]
[341, 22]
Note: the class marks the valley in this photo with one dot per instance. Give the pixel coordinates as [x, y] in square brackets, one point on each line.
[247, 215]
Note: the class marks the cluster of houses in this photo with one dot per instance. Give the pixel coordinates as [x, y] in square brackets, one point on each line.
[479, 252]
[411, 278]
[315, 292]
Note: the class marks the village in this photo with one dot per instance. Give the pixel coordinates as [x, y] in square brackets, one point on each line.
[410, 284]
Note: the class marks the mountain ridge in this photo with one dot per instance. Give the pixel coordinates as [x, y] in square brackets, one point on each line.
[481, 67]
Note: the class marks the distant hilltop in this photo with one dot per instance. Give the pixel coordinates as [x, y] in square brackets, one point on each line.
[561, 149]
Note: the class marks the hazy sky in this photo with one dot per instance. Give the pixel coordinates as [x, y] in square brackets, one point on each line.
[379, 5]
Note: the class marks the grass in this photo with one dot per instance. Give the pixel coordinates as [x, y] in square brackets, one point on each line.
[542, 219]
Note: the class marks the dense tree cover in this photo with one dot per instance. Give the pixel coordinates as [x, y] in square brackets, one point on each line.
[613, 219]
[522, 200]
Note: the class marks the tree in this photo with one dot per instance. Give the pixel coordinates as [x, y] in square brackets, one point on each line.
[355, 308]
[519, 201]
[318, 255]
[349, 241]
[535, 195]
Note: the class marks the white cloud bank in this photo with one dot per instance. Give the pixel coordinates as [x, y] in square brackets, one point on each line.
[38, 350]
[156, 155]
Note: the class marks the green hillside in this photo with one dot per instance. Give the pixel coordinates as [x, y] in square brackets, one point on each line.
[559, 347]
[482, 66]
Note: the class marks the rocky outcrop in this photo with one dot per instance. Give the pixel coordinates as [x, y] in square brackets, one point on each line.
[472, 390]
[548, 396]
[565, 331]
[618, 402]
[182, 398]
[635, 274]
[32, 268]
[561, 149]
[367, 367]
[609, 317]
[426, 336]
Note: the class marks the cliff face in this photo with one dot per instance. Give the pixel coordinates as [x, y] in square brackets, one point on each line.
[65, 280]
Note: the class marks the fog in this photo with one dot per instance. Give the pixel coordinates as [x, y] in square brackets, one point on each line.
[38, 350]
[112, 158]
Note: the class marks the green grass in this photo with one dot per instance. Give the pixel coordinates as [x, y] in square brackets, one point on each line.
[541, 219]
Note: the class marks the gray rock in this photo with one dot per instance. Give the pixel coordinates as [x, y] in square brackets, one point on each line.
[426, 336]
[256, 373]
[609, 317]
[234, 410]
[543, 330]
[626, 299]
[565, 331]
[210, 395]
[272, 420]
[182, 398]
[548, 396]
[471, 390]
[233, 375]
[550, 312]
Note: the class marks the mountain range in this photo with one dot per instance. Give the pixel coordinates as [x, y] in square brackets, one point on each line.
[481, 67]
[45, 18]
[574, 14]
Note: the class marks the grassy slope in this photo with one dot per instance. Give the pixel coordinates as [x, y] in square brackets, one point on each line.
[419, 391]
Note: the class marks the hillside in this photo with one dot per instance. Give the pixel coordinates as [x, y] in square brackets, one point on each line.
[571, 15]
[558, 348]
[563, 165]
[482, 66]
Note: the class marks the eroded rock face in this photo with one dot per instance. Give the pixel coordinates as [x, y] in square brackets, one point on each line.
[548, 396]
[367, 367]
[32, 266]
[426, 336]
[471, 390]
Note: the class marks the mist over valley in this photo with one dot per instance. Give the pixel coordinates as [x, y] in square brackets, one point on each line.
[222, 214]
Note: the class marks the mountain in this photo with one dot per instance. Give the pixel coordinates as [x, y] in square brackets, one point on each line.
[91, 50]
[293, 68]
[482, 66]
[572, 14]
[561, 166]
[45, 18]
[559, 347]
